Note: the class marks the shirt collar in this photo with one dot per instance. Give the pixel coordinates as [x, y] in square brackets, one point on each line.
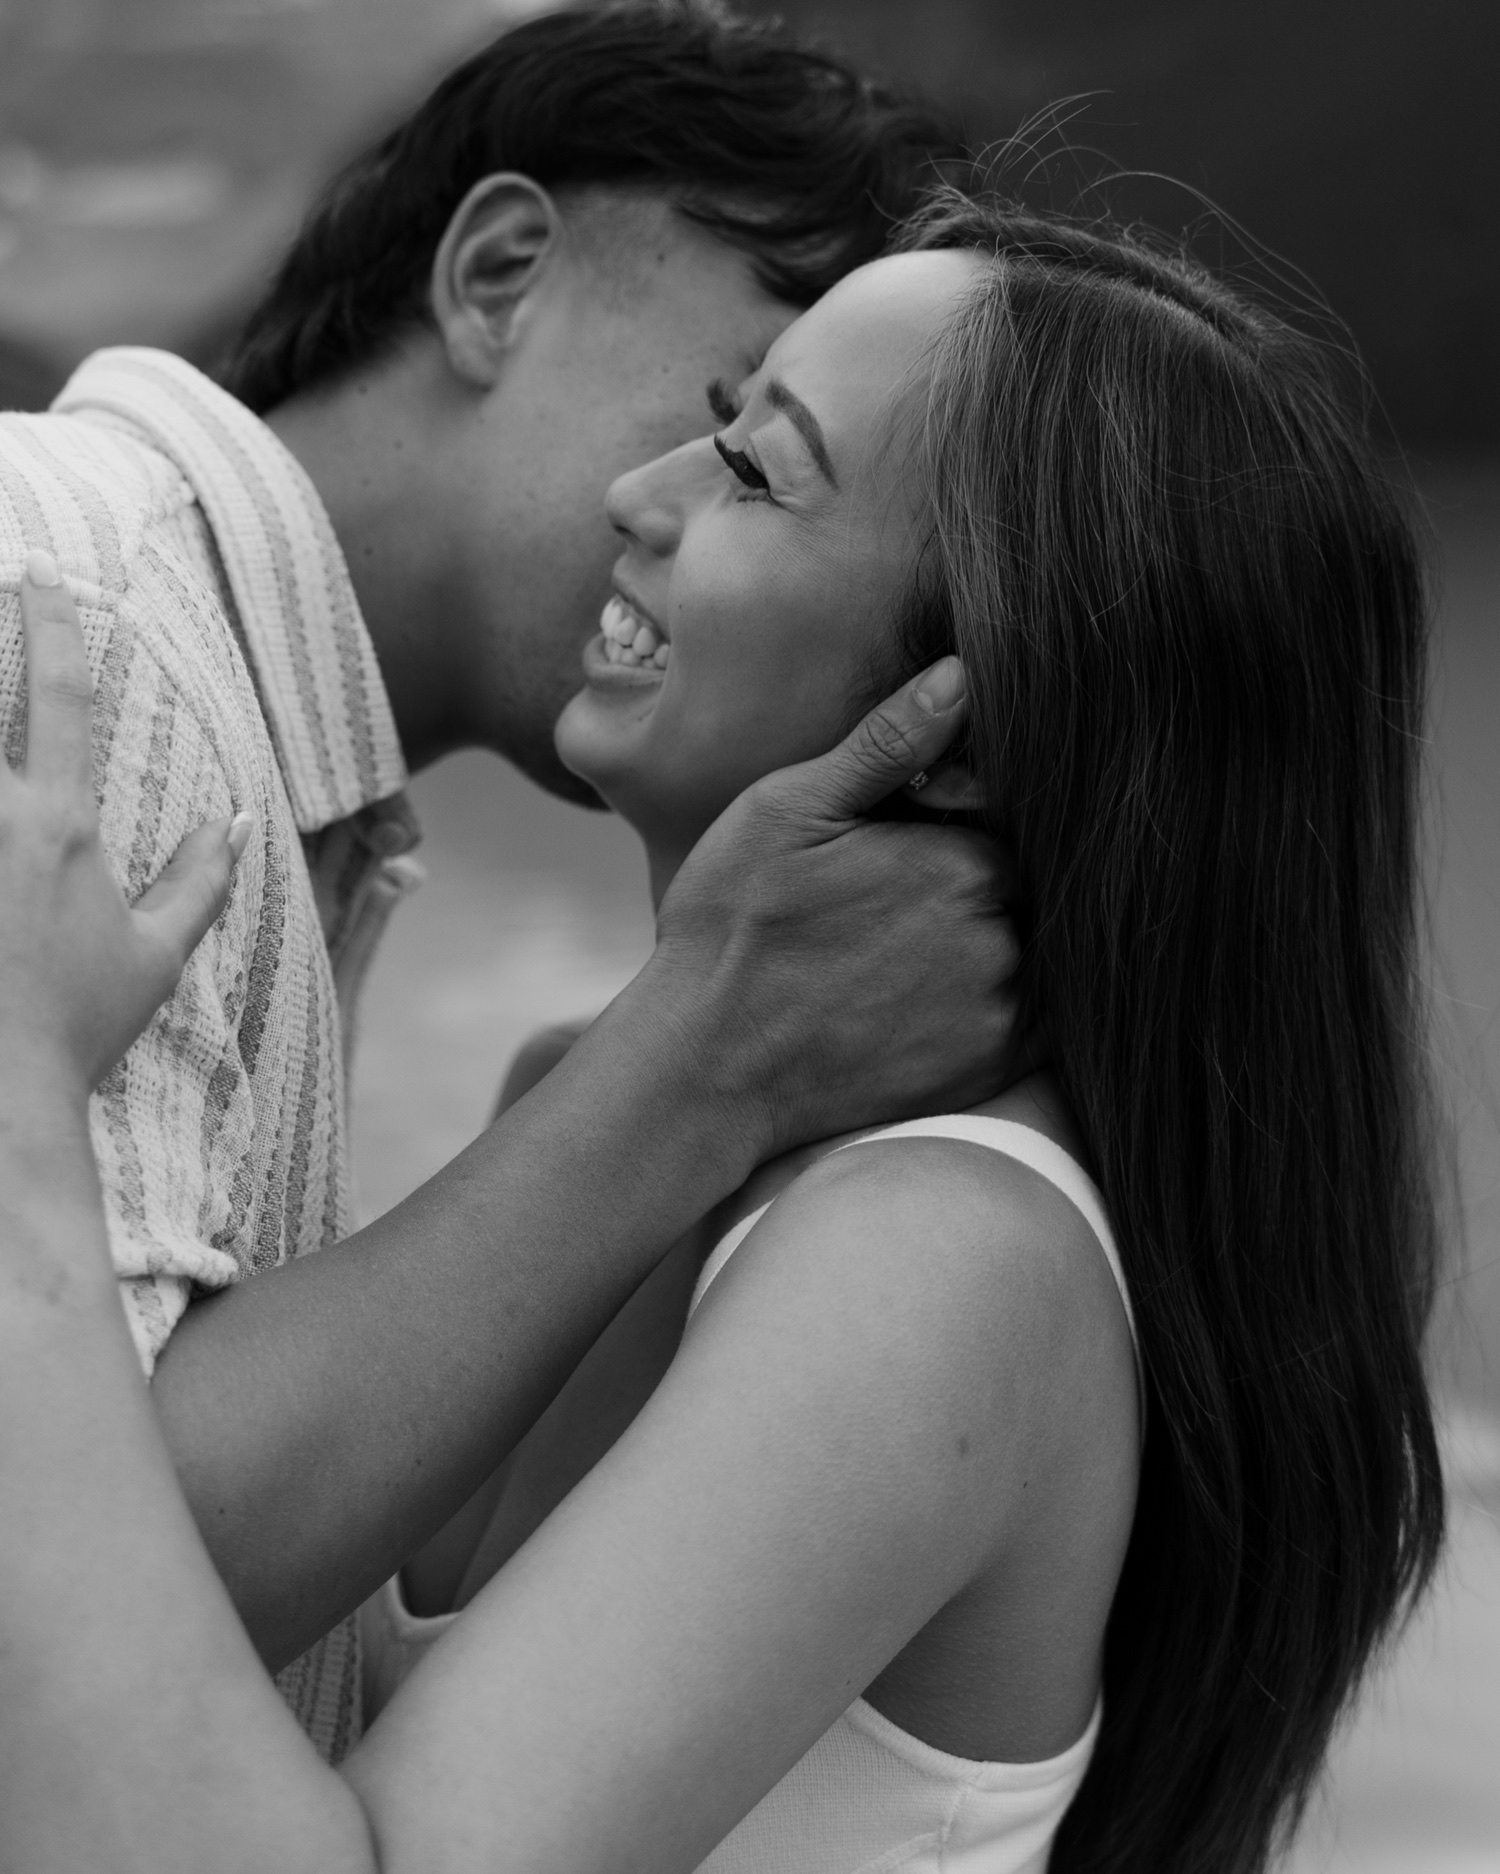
[315, 667]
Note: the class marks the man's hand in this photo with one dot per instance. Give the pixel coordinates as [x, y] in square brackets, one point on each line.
[846, 971]
[81, 973]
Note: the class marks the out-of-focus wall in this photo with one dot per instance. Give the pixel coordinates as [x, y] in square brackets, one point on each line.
[1357, 138]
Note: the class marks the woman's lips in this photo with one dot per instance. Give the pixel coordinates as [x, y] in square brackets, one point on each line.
[602, 671]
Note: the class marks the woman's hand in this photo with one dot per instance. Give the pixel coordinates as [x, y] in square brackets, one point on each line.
[81, 972]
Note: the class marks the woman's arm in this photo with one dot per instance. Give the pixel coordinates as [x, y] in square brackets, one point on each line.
[833, 1455]
[138, 1731]
[817, 1476]
[113, 1628]
[843, 1444]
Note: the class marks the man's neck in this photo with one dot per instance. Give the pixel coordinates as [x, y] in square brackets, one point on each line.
[359, 442]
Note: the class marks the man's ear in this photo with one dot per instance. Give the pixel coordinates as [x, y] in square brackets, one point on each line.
[951, 787]
[495, 249]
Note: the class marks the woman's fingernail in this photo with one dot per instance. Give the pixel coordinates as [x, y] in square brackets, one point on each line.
[41, 568]
[238, 836]
[941, 688]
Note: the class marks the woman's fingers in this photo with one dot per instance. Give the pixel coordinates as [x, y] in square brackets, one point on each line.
[177, 912]
[60, 690]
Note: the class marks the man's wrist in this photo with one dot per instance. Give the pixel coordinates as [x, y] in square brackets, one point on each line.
[691, 1060]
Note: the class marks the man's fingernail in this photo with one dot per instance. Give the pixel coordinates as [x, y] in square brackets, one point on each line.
[941, 688]
[41, 568]
[238, 836]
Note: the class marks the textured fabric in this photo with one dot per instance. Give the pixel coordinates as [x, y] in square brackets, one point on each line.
[233, 672]
[868, 1798]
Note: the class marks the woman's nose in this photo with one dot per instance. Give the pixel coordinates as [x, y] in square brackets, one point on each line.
[648, 503]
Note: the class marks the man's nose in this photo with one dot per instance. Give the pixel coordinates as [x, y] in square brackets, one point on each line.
[648, 503]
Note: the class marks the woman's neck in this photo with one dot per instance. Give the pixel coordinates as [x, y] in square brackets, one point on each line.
[662, 866]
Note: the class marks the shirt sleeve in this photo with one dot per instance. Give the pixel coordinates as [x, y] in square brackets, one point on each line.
[171, 1128]
[173, 1124]
[219, 1136]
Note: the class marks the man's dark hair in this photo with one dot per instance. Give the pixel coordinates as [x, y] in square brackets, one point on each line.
[778, 149]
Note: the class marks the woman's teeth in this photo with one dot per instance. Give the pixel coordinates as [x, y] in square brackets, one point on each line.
[628, 640]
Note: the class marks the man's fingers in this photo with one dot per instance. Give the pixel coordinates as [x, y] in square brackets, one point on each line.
[182, 905]
[894, 743]
[60, 691]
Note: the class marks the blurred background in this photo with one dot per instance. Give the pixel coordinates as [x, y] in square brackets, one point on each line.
[156, 154]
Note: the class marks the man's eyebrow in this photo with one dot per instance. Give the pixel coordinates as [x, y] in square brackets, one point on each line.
[789, 404]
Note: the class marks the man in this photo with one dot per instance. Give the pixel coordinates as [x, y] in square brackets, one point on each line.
[521, 293]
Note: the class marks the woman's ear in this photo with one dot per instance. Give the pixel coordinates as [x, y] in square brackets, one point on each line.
[492, 255]
[951, 787]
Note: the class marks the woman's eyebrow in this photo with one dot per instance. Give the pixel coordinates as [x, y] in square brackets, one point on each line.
[786, 401]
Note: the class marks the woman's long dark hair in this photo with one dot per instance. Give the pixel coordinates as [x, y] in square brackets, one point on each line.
[1194, 621]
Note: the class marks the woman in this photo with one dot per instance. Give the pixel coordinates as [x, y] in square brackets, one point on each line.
[1111, 1386]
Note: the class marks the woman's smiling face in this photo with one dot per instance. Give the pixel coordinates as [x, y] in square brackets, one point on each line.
[769, 561]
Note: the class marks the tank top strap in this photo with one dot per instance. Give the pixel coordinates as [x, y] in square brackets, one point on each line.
[727, 1244]
[1038, 1153]
[1012, 1140]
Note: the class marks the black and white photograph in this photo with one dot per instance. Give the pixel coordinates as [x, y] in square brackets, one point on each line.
[749, 937]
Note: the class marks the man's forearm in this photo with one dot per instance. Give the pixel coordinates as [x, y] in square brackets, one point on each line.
[327, 1417]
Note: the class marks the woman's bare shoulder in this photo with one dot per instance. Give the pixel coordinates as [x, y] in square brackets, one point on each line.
[986, 1264]
[971, 1191]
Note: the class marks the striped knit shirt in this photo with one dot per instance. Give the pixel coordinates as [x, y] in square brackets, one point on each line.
[233, 672]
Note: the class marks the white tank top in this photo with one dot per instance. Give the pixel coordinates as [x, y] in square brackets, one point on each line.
[868, 1798]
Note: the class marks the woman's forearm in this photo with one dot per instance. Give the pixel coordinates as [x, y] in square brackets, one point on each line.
[138, 1730]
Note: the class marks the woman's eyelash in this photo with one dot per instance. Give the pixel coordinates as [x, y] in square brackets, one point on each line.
[741, 465]
[722, 403]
